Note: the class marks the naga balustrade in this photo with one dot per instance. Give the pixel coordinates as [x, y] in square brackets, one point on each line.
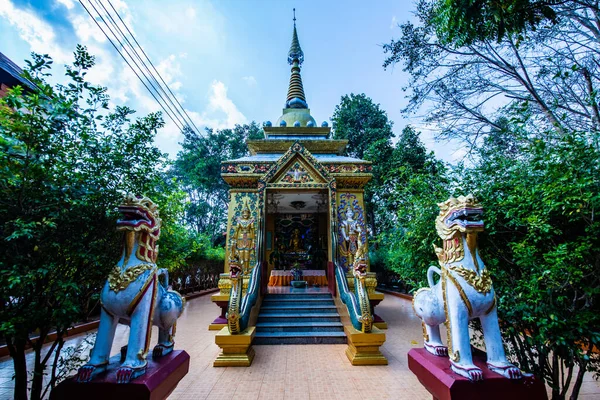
[357, 300]
[240, 303]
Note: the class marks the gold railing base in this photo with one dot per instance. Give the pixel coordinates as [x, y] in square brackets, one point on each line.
[363, 348]
[216, 327]
[237, 349]
[219, 297]
[379, 325]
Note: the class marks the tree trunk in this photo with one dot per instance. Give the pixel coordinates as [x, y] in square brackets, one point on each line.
[38, 372]
[16, 349]
[579, 380]
[556, 395]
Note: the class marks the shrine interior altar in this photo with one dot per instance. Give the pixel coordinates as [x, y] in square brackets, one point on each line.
[311, 276]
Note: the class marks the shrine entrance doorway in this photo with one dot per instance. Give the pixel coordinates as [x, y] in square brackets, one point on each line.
[297, 235]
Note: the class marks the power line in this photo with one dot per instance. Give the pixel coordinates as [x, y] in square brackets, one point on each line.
[173, 118]
[134, 50]
[147, 58]
[123, 47]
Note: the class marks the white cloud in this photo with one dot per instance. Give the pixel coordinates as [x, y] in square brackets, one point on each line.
[187, 24]
[250, 80]
[221, 111]
[220, 102]
[86, 29]
[394, 23]
[169, 68]
[67, 3]
[191, 12]
[35, 31]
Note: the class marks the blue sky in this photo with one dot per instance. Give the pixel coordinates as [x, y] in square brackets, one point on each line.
[227, 60]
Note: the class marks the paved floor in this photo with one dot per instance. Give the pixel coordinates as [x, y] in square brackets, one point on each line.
[292, 371]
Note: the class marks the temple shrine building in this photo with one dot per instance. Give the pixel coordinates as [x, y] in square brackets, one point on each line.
[296, 212]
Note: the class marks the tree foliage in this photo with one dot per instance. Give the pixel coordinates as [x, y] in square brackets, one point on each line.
[198, 169]
[466, 21]
[362, 122]
[525, 101]
[65, 161]
[541, 242]
[412, 185]
[465, 87]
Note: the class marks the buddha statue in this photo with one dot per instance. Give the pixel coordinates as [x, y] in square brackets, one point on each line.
[296, 241]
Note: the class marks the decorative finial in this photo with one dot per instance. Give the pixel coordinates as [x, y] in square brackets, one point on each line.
[295, 54]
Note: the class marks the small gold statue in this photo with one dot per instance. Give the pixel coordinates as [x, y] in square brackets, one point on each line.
[296, 242]
[244, 238]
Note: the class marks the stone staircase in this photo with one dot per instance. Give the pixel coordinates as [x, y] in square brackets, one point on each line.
[299, 318]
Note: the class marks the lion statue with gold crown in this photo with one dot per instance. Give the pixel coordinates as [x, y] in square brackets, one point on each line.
[134, 295]
[463, 292]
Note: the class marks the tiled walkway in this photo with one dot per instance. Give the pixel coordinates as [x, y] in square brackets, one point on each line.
[293, 371]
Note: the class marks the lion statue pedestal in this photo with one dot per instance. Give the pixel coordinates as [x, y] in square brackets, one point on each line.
[434, 374]
[160, 379]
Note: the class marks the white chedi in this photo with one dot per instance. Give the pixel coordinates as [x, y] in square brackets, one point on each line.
[463, 292]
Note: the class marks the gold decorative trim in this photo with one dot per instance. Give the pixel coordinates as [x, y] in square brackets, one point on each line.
[462, 293]
[281, 146]
[454, 356]
[137, 297]
[489, 310]
[482, 283]
[453, 250]
[118, 281]
[371, 282]
[425, 335]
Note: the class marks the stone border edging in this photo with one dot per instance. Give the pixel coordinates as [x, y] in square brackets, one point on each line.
[88, 326]
[397, 294]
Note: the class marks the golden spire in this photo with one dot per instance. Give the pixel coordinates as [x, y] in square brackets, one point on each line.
[295, 97]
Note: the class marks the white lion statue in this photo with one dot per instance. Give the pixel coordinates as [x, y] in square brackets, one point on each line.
[133, 294]
[464, 292]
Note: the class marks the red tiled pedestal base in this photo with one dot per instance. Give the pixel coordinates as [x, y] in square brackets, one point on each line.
[160, 379]
[435, 375]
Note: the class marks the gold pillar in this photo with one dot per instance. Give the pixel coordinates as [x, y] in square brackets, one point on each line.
[237, 349]
[363, 348]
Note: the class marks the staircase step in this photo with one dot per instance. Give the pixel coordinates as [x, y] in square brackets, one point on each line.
[298, 302]
[299, 295]
[299, 327]
[303, 309]
[299, 338]
[291, 317]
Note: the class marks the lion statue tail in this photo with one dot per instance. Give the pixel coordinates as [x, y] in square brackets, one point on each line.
[432, 270]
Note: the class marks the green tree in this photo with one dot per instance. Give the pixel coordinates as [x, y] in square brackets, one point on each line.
[541, 242]
[525, 101]
[198, 169]
[466, 21]
[413, 184]
[463, 87]
[362, 122]
[369, 133]
[66, 160]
